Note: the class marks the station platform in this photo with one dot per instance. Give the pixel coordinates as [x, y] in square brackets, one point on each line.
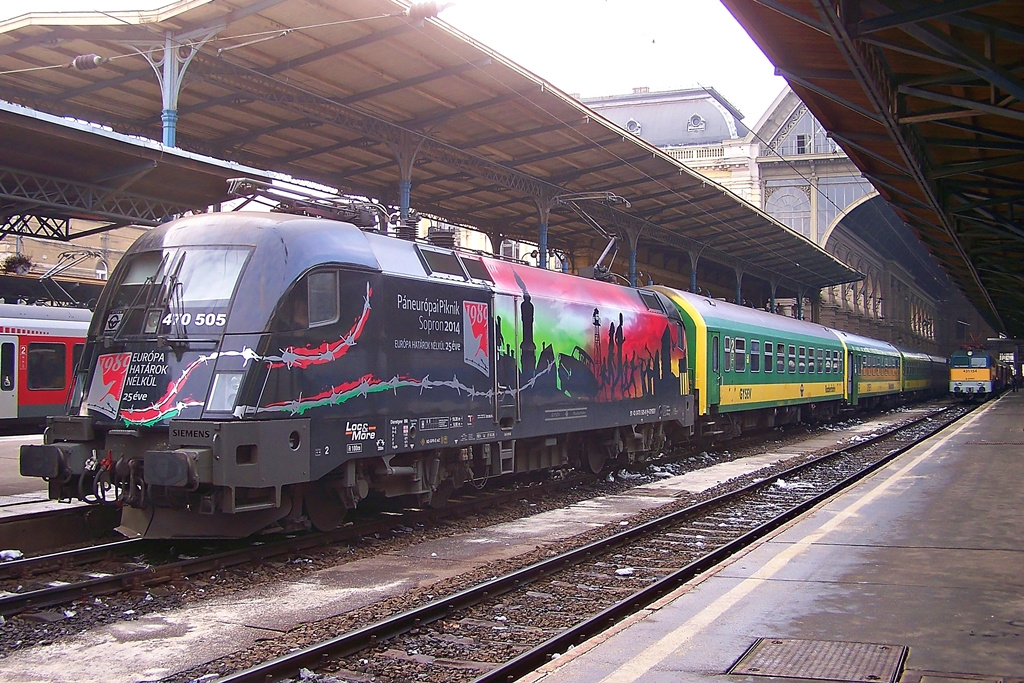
[915, 574]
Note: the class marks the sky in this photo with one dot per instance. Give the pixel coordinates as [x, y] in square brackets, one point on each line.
[593, 47]
[609, 47]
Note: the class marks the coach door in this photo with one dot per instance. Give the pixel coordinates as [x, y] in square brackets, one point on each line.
[856, 364]
[715, 374]
[507, 334]
[8, 376]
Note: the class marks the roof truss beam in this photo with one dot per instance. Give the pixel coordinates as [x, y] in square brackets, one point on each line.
[971, 204]
[923, 12]
[881, 93]
[814, 87]
[967, 106]
[960, 168]
[53, 195]
[34, 225]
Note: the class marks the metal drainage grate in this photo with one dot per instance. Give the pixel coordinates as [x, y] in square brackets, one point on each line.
[820, 659]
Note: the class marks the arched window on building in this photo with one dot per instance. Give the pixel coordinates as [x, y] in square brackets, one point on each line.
[792, 207]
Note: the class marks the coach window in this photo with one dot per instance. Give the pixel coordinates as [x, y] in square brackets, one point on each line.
[780, 358]
[792, 358]
[810, 359]
[741, 355]
[802, 365]
[769, 356]
[7, 356]
[821, 360]
[755, 355]
[76, 355]
[727, 350]
[46, 363]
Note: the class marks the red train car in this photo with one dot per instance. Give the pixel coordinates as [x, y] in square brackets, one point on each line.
[39, 349]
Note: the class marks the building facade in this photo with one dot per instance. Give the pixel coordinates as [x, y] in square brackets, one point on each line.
[788, 166]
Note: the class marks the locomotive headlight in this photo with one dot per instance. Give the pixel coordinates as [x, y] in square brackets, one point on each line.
[224, 391]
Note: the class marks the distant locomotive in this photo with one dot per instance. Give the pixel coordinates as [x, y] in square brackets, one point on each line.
[250, 370]
[39, 349]
[976, 374]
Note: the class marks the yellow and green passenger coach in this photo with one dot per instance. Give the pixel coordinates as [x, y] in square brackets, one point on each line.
[873, 370]
[751, 369]
[922, 373]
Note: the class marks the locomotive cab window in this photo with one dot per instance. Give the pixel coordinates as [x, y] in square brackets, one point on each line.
[323, 298]
[160, 291]
[46, 363]
[312, 302]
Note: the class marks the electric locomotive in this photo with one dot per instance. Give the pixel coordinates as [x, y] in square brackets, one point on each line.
[975, 374]
[246, 371]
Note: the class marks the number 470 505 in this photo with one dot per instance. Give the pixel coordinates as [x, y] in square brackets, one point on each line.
[200, 319]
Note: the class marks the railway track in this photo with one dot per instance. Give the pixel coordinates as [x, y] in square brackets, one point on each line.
[505, 627]
[55, 579]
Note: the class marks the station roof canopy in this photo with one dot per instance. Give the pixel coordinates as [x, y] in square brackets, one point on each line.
[927, 99]
[348, 92]
[55, 169]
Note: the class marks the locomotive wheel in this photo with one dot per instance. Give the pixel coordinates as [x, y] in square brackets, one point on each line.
[595, 459]
[325, 509]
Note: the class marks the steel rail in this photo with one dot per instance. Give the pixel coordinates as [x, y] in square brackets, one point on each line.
[51, 596]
